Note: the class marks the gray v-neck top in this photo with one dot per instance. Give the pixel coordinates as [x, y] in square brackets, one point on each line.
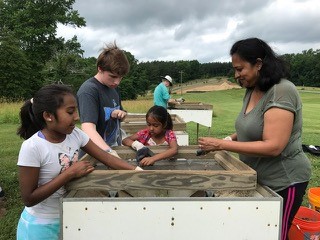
[292, 165]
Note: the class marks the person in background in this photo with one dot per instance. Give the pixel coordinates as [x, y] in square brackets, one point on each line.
[268, 127]
[158, 132]
[99, 101]
[161, 95]
[48, 159]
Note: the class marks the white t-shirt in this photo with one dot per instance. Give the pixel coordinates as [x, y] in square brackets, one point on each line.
[52, 159]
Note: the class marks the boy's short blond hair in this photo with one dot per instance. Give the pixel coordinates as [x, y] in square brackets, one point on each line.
[114, 60]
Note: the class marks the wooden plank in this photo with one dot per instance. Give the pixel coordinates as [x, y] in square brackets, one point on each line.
[170, 180]
[191, 106]
[229, 162]
[214, 171]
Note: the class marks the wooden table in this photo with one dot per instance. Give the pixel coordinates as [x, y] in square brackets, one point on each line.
[198, 112]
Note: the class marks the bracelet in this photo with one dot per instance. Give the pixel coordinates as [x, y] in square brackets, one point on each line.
[109, 150]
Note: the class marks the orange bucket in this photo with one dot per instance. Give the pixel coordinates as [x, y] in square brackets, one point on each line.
[314, 198]
[305, 225]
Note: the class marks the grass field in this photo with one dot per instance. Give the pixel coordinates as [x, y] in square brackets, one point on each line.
[226, 105]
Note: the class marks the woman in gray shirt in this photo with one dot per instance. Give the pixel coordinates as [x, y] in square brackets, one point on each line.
[269, 126]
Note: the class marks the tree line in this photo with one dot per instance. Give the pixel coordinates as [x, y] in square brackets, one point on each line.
[32, 55]
[304, 67]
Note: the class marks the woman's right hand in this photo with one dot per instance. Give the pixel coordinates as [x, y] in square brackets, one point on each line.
[80, 168]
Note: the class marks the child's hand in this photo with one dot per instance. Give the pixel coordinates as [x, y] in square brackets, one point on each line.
[136, 145]
[119, 114]
[81, 168]
[143, 152]
[147, 161]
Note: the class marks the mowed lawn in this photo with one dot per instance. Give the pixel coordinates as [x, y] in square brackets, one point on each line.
[226, 105]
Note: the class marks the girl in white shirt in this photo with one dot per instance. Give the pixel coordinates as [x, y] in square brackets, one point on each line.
[48, 159]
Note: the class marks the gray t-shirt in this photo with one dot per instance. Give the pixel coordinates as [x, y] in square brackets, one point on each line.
[96, 102]
[292, 165]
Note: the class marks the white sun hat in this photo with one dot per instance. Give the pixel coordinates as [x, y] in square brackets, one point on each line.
[167, 77]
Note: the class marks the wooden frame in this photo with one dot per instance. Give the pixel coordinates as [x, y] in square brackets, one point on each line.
[191, 106]
[135, 122]
[220, 171]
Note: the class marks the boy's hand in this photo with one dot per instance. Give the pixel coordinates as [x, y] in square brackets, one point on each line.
[119, 114]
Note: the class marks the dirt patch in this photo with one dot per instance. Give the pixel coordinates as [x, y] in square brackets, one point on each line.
[223, 86]
[208, 87]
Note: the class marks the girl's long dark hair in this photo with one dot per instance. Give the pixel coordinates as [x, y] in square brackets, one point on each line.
[161, 114]
[273, 67]
[48, 99]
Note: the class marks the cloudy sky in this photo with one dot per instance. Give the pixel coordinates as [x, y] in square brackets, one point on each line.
[202, 30]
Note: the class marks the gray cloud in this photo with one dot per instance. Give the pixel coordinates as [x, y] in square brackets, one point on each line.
[203, 30]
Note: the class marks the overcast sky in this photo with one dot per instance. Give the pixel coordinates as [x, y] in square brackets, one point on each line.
[202, 30]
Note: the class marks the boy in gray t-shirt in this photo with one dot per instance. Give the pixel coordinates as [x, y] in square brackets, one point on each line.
[99, 102]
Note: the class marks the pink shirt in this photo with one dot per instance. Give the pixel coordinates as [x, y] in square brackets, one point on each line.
[144, 137]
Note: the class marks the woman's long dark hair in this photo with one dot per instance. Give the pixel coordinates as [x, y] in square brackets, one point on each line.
[273, 67]
[48, 99]
[161, 114]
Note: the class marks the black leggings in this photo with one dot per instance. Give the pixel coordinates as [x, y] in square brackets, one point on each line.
[292, 199]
